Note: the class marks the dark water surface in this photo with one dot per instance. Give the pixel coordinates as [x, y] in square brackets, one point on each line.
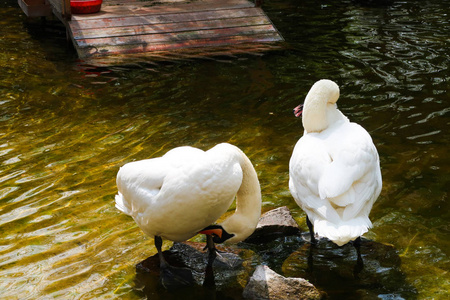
[65, 129]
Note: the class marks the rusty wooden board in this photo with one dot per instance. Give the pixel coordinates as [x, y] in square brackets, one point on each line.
[137, 26]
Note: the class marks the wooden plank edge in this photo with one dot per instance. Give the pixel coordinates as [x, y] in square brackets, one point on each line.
[168, 28]
[118, 11]
[160, 20]
[177, 37]
[142, 48]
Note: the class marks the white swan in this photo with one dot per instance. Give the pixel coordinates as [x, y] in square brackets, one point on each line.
[182, 193]
[334, 171]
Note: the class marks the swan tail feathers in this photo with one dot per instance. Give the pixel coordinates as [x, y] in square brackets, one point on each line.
[121, 204]
[342, 233]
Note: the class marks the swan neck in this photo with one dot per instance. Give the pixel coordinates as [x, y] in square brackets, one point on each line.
[248, 203]
[314, 117]
[320, 106]
[249, 193]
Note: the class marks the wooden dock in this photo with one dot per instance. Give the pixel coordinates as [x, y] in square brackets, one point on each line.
[164, 27]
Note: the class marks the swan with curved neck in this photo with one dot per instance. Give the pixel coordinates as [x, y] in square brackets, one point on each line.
[320, 110]
[334, 170]
[184, 192]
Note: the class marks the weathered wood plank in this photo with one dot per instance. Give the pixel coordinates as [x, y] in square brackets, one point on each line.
[150, 2]
[174, 45]
[210, 5]
[167, 28]
[177, 37]
[196, 27]
[61, 9]
[164, 19]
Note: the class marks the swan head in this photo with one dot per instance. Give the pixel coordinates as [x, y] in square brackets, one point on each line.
[234, 229]
[219, 234]
[322, 97]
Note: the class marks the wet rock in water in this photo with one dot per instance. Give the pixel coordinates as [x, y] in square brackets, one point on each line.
[336, 270]
[277, 235]
[273, 224]
[190, 255]
[268, 285]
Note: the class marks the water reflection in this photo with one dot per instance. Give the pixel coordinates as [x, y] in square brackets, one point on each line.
[65, 129]
[334, 267]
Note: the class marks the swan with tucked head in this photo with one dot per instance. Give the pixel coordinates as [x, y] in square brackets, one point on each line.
[334, 170]
[185, 191]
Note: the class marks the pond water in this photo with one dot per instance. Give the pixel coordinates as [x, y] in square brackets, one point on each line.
[66, 128]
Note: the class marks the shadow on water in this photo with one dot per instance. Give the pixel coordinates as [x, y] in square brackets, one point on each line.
[337, 270]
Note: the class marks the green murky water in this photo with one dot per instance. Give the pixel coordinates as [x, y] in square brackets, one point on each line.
[65, 129]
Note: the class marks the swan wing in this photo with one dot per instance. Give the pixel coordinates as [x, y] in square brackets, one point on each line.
[180, 193]
[352, 181]
[195, 195]
[307, 163]
[205, 184]
[365, 191]
[335, 175]
[353, 155]
[140, 182]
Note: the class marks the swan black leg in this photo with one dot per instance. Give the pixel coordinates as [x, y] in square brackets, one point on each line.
[212, 253]
[311, 231]
[310, 268]
[357, 245]
[359, 261]
[158, 245]
[172, 277]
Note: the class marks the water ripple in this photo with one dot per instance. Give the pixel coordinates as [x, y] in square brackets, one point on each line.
[63, 138]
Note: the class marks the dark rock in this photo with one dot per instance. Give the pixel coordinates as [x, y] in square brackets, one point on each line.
[336, 270]
[226, 269]
[274, 252]
[265, 284]
[278, 244]
[273, 224]
[277, 235]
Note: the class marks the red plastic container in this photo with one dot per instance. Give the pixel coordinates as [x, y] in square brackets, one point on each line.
[85, 6]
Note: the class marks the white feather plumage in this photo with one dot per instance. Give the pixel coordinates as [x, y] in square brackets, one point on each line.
[177, 195]
[334, 170]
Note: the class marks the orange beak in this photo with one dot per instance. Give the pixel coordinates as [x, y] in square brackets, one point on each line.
[216, 231]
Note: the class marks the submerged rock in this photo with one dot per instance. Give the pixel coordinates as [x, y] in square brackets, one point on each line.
[273, 224]
[191, 255]
[265, 284]
[337, 271]
[277, 235]
[279, 244]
